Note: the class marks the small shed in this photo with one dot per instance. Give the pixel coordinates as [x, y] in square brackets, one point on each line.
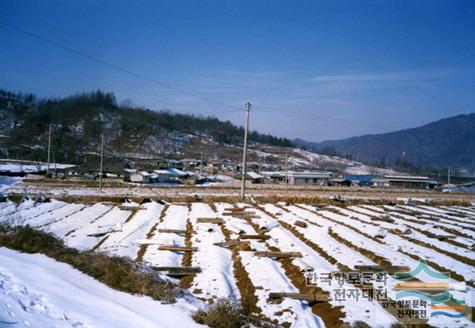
[339, 182]
[273, 177]
[411, 182]
[360, 180]
[379, 182]
[162, 175]
[308, 178]
[254, 177]
[140, 177]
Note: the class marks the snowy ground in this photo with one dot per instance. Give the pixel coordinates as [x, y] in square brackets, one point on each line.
[328, 238]
[36, 291]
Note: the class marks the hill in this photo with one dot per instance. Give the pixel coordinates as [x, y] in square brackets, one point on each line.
[78, 121]
[139, 135]
[447, 142]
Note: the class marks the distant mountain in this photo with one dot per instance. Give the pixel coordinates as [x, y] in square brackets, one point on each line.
[447, 142]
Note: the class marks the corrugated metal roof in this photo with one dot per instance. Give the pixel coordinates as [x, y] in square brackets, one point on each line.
[254, 175]
[308, 174]
[177, 172]
[162, 172]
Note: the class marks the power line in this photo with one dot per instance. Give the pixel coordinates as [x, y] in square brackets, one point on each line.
[113, 66]
[321, 118]
[329, 119]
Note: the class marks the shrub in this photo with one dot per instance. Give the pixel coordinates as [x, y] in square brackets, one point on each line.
[222, 314]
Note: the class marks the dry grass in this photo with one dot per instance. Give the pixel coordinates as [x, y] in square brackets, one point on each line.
[222, 314]
[186, 261]
[331, 315]
[243, 282]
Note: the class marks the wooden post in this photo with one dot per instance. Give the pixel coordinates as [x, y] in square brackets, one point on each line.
[102, 161]
[177, 248]
[278, 254]
[416, 285]
[301, 224]
[244, 153]
[210, 220]
[248, 236]
[230, 243]
[378, 268]
[178, 269]
[309, 297]
[177, 231]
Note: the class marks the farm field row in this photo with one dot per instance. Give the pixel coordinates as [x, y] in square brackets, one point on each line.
[264, 254]
[74, 190]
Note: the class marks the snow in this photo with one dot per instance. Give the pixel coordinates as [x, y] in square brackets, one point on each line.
[28, 215]
[268, 276]
[6, 181]
[117, 230]
[30, 168]
[37, 291]
[175, 218]
[109, 222]
[216, 278]
[396, 242]
[391, 254]
[77, 220]
[363, 310]
[55, 215]
[123, 242]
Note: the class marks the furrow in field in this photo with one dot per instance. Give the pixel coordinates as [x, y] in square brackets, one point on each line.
[57, 215]
[216, 279]
[175, 218]
[124, 242]
[394, 245]
[457, 247]
[87, 236]
[416, 209]
[381, 254]
[77, 220]
[27, 215]
[446, 225]
[325, 255]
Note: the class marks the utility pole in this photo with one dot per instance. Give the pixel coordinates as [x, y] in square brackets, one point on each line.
[102, 161]
[201, 162]
[286, 173]
[49, 150]
[54, 167]
[244, 155]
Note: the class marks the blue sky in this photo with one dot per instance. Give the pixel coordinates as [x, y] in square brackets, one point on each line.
[336, 68]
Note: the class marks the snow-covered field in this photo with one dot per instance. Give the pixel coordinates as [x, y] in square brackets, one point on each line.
[36, 291]
[328, 239]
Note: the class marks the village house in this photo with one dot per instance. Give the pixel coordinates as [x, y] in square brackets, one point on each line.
[254, 177]
[308, 178]
[140, 177]
[410, 182]
[161, 176]
[273, 177]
